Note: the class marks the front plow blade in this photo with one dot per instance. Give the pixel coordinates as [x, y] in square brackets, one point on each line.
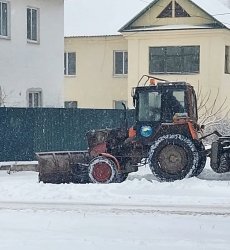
[63, 167]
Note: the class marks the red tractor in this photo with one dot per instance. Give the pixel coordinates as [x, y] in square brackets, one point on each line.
[165, 135]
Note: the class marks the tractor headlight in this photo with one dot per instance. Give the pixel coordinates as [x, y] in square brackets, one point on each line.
[146, 131]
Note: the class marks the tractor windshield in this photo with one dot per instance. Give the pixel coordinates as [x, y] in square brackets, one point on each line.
[160, 106]
[149, 106]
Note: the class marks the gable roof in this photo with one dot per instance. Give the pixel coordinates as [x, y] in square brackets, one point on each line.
[215, 9]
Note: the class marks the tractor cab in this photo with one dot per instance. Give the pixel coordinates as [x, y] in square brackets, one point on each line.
[163, 103]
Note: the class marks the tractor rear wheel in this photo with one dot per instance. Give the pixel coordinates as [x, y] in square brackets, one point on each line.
[102, 170]
[202, 160]
[173, 157]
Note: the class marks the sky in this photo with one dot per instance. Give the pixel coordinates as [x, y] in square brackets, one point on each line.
[102, 17]
[96, 18]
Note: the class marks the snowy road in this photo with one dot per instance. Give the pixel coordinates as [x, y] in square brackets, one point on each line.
[139, 214]
[71, 230]
[118, 208]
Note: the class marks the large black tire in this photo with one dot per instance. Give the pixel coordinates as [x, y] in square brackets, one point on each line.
[173, 157]
[202, 160]
[102, 170]
[220, 162]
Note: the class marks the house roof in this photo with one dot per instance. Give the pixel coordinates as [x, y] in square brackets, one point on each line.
[173, 27]
[217, 10]
[214, 9]
[93, 36]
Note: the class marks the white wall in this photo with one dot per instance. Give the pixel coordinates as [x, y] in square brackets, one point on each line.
[24, 65]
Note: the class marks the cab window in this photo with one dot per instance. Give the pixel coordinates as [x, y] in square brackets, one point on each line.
[149, 106]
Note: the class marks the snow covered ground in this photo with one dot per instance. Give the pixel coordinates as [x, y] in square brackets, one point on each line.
[140, 213]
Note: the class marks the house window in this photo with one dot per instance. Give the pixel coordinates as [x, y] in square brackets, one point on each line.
[173, 9]
[120, 65]
[32, 25]
[174, 59]
[70, 63]
[34, 98]
[4, 18]
[118, 104]
[167, 12]
[70, 104]
[227, 59]
[180, 12]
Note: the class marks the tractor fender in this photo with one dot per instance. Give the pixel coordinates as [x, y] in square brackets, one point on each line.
[118, 166]
[185, 129]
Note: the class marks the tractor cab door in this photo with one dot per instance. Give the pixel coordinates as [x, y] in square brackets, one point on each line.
[173, 101]
[192, 104]
[149, 106]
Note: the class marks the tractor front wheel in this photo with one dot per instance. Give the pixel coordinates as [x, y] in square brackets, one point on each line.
[173, 157]
[102, 170]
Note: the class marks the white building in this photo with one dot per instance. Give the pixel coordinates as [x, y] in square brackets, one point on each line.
[31, 53]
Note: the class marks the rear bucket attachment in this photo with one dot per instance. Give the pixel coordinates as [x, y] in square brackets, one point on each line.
[63, 167]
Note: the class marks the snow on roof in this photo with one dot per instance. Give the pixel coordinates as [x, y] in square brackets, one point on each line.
[216, 9]
[172, 27]
[92, 36]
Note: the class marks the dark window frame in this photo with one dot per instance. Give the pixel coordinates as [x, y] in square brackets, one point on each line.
[167, 12]
[173, 60]
[4, 19]
[227, 60]
[70, 104]
[179, 11]
[120, 62]
[173, 10]
[32, 24]
[34, 98]
[70, 63]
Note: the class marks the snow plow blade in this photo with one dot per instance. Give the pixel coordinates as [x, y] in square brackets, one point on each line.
[63, 167]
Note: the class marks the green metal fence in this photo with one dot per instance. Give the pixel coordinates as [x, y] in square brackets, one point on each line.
[24, 131]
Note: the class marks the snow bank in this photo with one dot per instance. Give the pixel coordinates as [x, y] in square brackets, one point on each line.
[139, 188]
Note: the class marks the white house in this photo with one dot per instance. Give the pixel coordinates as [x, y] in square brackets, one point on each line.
[31, 53]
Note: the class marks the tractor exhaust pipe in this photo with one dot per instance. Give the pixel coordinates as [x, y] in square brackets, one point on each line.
[125, 116]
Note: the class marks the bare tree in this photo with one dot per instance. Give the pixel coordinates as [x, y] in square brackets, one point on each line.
[3, 97]
[211, 113]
